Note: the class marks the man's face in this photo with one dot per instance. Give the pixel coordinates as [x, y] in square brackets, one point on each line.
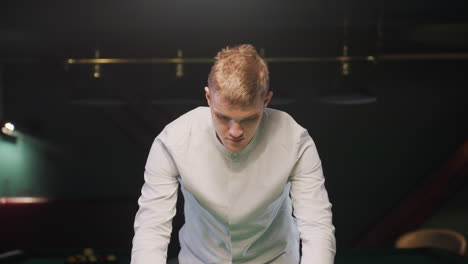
[235, 126]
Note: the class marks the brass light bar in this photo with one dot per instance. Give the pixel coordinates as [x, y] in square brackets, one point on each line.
[140, 61]
[434, 56]
[377, 58]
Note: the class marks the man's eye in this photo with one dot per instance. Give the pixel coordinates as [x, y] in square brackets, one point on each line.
[252, 119]
[223, 118]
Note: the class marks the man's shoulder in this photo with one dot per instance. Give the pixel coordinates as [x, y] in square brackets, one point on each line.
[196, 115]
[281, 120]
[283, 128]
[186, 124]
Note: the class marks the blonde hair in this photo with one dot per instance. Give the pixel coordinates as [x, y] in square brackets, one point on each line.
[239, 74]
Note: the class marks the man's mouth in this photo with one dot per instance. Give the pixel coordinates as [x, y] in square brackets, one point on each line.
[236, 141]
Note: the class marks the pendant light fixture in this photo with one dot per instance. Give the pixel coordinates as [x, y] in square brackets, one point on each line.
[347, 89]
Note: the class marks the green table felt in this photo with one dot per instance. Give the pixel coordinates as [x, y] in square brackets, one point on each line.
[59, 255]
[344, 256]
[52, 260]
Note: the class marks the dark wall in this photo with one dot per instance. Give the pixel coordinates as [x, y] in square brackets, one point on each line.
[373, 155]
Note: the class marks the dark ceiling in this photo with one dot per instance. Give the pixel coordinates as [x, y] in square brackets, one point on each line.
[32, 29]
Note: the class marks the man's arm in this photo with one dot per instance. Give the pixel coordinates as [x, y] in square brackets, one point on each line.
[153, 221]
[312, 208]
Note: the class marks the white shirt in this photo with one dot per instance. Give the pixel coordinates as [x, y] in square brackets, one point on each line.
[238, 205]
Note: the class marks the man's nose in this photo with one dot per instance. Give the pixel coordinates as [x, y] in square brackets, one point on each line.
[235, 129]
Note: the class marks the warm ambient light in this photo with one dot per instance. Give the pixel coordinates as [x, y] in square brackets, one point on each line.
[23, 200]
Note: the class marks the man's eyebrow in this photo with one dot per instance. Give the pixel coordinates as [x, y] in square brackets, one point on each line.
[249, 117]
[221, 115]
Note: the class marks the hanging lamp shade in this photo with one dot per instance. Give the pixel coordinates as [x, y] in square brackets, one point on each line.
[351, 98]
[347, 89]
[347, 92]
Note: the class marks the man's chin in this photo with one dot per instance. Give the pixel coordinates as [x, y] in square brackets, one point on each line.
[235, 148]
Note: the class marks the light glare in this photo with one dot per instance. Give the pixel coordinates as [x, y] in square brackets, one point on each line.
[6, 131]
[10, 126]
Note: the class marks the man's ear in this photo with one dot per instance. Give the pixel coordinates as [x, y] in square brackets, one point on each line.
[267, 98]
[207, 95]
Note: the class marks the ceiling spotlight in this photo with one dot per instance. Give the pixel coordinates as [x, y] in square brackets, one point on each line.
[10, 126]
[8, 129]
[8, 132]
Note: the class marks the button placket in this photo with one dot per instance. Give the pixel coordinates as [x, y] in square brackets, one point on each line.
[230, 202]
[233, 186]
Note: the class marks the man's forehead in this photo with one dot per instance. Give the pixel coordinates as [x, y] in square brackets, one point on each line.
[236, 112]
[220, 99]
[225, 108]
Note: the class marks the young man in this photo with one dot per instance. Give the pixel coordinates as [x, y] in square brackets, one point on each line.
[242, 168]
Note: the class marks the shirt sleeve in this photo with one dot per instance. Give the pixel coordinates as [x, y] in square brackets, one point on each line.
[157, 207]
[311, 205]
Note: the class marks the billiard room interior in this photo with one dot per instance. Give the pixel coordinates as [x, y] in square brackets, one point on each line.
[86, 86]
